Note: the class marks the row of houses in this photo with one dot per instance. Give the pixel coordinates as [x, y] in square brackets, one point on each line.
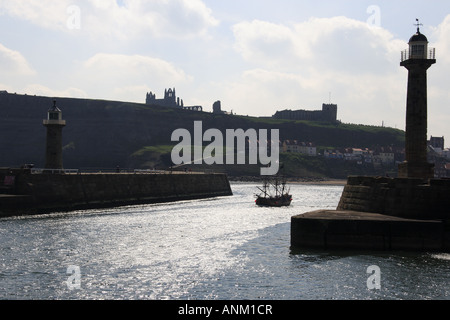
[380, 155]
[377, 156]
[440, 156]
[436, 147]
[294, 146]
[291, 146]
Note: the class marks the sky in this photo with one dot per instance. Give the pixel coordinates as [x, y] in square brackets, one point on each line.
[255, 56]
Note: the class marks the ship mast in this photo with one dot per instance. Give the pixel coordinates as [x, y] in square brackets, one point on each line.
[265, 188]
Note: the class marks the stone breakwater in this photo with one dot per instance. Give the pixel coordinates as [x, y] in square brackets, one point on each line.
[398, 197]
[353, 230]
[25, 193]
[379, 213]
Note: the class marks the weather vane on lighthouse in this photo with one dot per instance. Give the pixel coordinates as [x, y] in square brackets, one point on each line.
[417, 24]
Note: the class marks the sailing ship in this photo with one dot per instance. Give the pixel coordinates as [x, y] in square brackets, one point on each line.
[274, 193]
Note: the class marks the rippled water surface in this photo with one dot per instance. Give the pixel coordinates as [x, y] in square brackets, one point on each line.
[223, 248]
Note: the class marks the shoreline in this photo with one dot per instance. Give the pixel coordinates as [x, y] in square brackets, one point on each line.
[304, 181]
[336, 182]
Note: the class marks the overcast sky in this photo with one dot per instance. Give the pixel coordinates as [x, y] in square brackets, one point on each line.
[255, 56]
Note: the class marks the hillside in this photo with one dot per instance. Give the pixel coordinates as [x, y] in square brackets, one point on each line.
[106, 134]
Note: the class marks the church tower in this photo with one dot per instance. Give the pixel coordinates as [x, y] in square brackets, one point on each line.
[54, 125]
[417, 60]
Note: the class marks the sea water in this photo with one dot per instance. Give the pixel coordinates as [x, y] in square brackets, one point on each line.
[213, 249]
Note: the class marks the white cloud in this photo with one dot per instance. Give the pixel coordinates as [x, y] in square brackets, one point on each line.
[41, 90]
[13, 64]
[296, 66]
[44, 13]
[438, 84]
[440, 39]
[115, 18]
[177, 18]
[265, 42]
[123, 77]
[261, 92]
[337, 43]
[103, 76]
[106, 76]
[15, 69]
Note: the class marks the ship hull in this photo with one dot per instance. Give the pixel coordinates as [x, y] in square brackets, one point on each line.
[282, 201]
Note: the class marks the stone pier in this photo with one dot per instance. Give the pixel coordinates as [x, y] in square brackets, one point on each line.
[29, 194]
[354, 230]
[378, 213]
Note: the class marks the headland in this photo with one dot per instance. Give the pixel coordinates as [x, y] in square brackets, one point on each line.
[103, 134]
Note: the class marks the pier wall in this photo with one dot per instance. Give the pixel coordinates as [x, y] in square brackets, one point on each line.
[353, 230]
[380, 213]
[398, 197]
[35, 193]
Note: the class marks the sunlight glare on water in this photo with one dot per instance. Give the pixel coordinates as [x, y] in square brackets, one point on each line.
[222, 248]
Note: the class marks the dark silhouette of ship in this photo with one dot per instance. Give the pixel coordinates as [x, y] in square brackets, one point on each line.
[274, 193]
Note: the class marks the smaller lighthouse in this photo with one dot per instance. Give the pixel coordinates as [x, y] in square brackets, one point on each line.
[54, 124]
[417, 60]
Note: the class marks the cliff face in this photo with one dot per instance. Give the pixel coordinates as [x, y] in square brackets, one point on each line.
[105, 134]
